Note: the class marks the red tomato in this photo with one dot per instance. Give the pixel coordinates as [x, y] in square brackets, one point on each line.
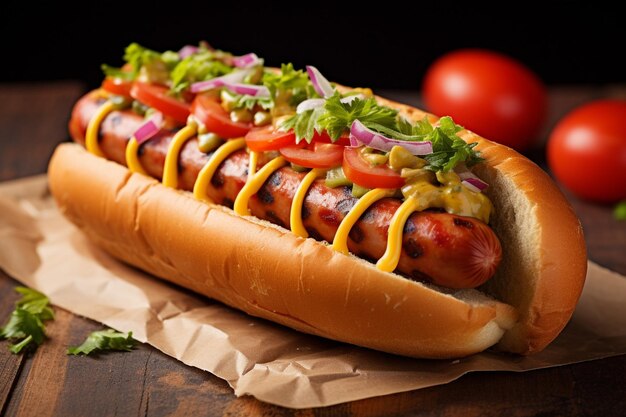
[324, 138]
[488, 93]
[361, 172]
[587, 151]
[217, 120]
[157, 96]
[267, 139]
[117, 86]
[317, 155]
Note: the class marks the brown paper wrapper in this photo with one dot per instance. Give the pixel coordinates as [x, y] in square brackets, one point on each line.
[274, 364]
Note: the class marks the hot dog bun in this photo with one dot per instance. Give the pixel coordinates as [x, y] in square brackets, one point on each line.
[268, 272]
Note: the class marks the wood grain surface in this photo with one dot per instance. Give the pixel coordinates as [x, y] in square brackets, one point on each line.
[145, 382]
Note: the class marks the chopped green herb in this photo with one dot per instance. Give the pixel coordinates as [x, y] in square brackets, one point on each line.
[104, 340]
[289, 84]
[197, 67]
[336, 117]
[448, 148]
[154, 65]
[339, 116]
[25, 324]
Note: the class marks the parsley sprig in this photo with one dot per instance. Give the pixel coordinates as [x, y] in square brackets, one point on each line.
[104, 340]
[336, 117]
[26, 323]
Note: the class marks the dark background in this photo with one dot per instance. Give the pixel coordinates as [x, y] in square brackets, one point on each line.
[385, 46]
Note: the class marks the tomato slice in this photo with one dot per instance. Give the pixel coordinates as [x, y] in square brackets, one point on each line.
[208, 110]
[157, 96]
[325, 138]
[361, 172]
[267, 139]
[317, 155]
[117, 86]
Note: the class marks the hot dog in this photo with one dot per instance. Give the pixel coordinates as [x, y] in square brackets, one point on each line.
[464, 254]
[440, 221]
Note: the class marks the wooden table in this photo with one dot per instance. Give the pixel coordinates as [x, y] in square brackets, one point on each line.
[145, 382]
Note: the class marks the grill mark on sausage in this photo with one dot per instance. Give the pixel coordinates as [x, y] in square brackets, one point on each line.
[347, 191]
[265, 195]
[306, 211]
[141, 150]
[275, 179]
[409, 227]
[343, 206]
[413, 248]
[463, 223]
[356, 234]
[217, 180]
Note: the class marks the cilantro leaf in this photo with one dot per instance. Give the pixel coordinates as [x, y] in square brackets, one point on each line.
[104, 340]
[448, 148]
[26, 321]
[295, 82]
[339, 116]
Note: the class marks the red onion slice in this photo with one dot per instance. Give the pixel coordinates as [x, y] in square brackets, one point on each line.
[149, 128]
[246, 61]
[232, 78]
[361, 135]
[320, 83]
[187, 50]
[310, 104]
[248, 89]
[472, 182]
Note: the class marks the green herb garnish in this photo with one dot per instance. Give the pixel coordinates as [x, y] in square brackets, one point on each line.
[156, 66]
[25, 324]
[104, 340]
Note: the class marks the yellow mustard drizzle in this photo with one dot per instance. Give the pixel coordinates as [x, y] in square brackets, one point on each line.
[340, 242]
[170, 169]
[93, 127]
[390, 259]
[295, 213]
[255, 183]
[208, 170]
[254, 161]
[132, 160]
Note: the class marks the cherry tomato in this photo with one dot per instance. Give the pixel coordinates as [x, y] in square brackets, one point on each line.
[316, 155]
[361, 172]
[488, 93]
[217, 120]
[117, 86]
[157, 96]
[587, 151]
[267, 139]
